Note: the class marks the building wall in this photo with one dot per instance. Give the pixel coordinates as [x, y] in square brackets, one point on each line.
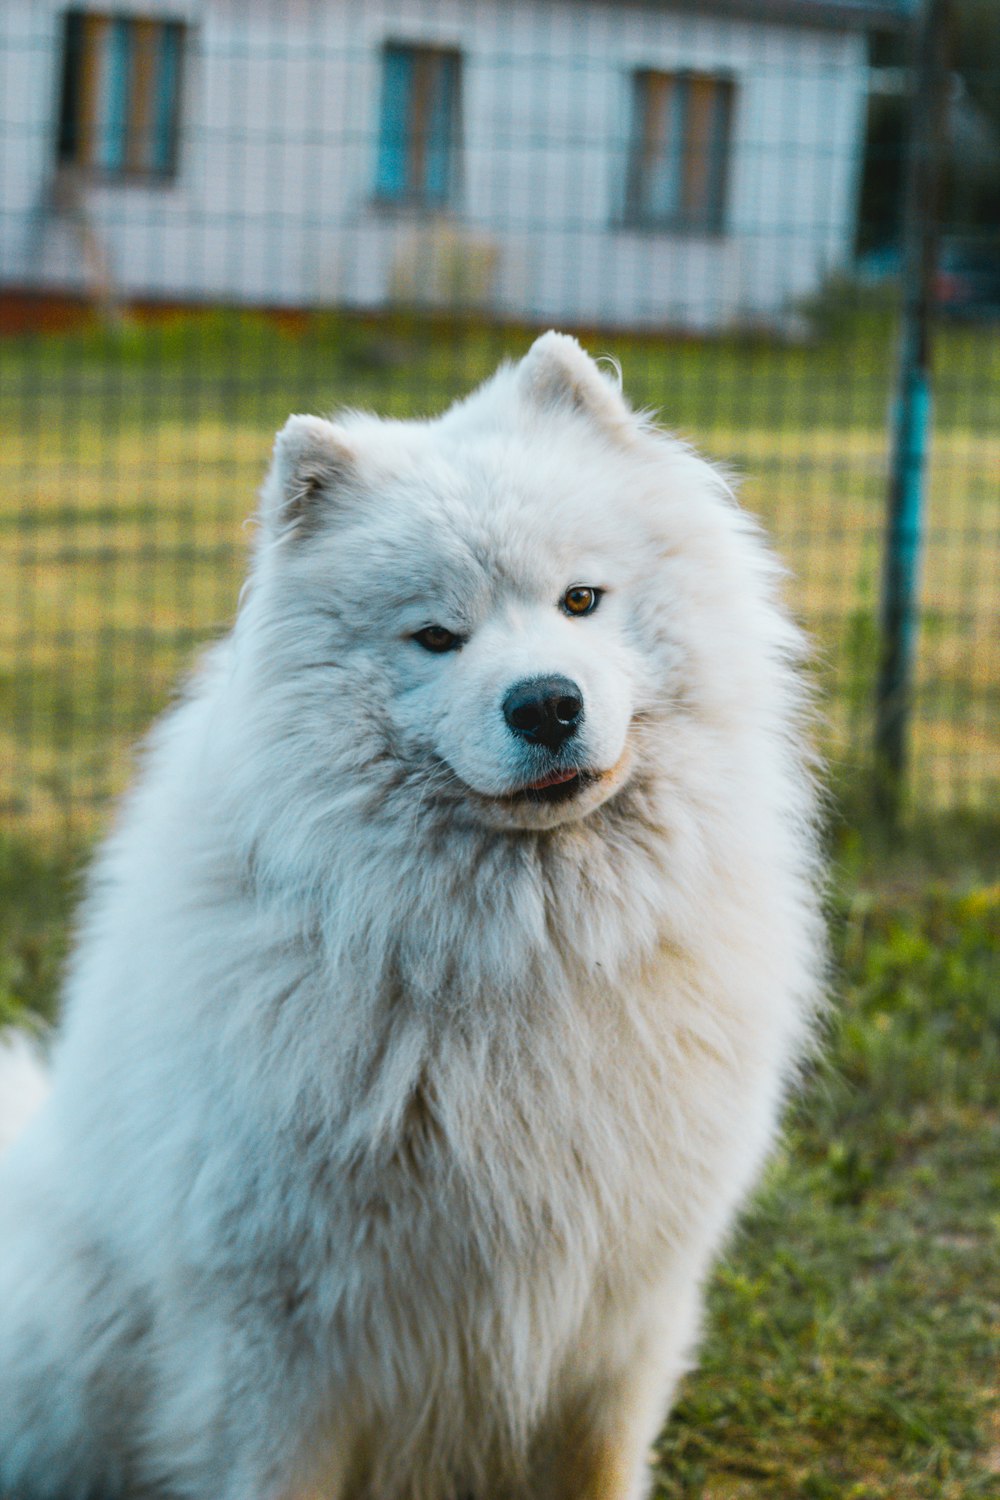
[273, 200]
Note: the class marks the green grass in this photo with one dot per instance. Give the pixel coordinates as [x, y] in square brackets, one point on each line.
[37, 892]
[852, 1330]
[854, 1326]
[130, 462]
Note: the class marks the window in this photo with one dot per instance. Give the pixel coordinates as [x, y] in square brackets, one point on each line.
[679, 151]
[419, 126]
[118, 109]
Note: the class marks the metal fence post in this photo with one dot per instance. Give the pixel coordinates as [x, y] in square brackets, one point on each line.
[911, 417]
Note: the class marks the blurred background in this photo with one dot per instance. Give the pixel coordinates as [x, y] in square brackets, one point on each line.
[783, 218]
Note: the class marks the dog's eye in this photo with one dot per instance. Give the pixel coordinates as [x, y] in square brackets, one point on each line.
[435, 638]
[580, 600]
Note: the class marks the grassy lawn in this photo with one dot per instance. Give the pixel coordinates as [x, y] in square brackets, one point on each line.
[130, 463]
[852, 1333]
[854, 1327]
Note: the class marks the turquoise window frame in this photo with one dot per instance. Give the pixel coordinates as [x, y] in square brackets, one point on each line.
[417, 158]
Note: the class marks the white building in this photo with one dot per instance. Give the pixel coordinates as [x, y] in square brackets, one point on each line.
[572, 161]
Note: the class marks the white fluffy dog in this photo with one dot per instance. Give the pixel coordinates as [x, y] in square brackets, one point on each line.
[437, 994]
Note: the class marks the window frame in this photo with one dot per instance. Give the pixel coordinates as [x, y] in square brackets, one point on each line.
[133, 114]
[406, 144]
[650, 147]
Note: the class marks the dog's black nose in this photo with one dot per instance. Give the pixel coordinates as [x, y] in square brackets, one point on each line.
[544, 710]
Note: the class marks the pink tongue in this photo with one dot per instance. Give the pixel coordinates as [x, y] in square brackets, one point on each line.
[555, 779]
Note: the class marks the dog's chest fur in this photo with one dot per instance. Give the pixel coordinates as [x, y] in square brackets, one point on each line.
[447, 1248]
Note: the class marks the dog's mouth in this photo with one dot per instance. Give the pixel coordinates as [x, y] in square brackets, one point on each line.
[564, 792]
[557, 786]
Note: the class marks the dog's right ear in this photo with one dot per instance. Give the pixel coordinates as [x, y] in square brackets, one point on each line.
[312, 461]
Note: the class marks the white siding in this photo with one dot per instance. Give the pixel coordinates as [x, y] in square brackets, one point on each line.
[273, 199]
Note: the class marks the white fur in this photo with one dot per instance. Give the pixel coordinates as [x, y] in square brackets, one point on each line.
[395, 1119]
[24, 1085]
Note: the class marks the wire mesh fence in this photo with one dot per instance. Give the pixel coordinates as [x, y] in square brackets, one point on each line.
[213, 214]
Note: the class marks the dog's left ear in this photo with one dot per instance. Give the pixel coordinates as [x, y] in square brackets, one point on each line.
[313, 463]
[557, 374]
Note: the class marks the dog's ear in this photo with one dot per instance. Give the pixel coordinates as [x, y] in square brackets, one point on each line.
[312, 461]
[557, 374]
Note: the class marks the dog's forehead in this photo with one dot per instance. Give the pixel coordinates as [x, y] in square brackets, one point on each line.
[536, 507]
[481, 518]
[465, 551]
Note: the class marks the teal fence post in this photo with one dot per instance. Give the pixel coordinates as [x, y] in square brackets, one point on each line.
[911, 416]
